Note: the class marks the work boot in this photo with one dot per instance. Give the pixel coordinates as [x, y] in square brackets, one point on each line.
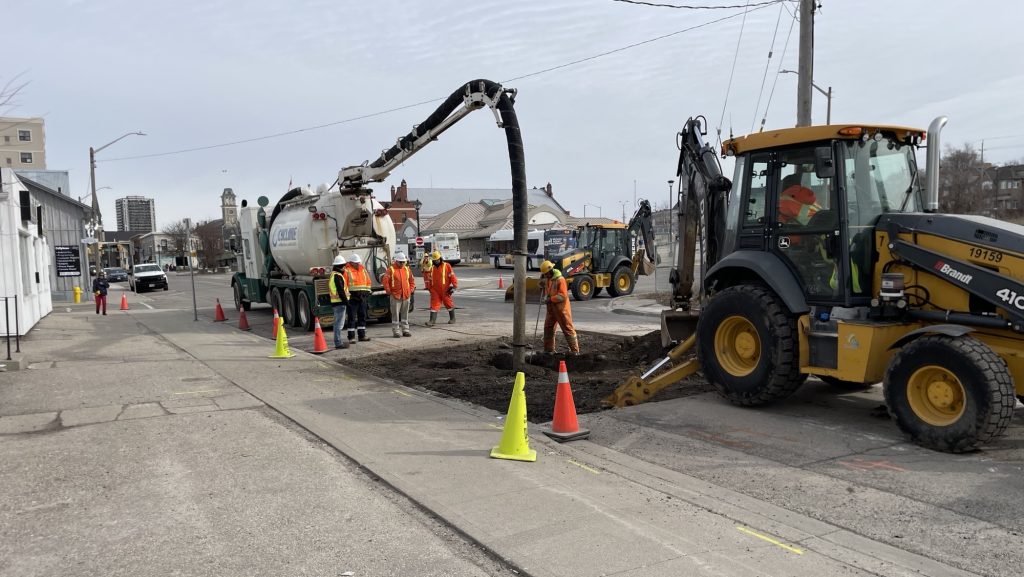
[396, 334]
[433, 319]
[351, 336]
[362, 335]
[406, 334]
[343, 345]
[451, 316]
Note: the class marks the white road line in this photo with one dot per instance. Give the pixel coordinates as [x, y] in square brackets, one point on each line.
[147, 306]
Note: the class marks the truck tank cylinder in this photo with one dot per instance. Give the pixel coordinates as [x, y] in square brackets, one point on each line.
[300, 240]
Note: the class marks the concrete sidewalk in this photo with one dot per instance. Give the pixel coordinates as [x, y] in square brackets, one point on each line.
[580, 510]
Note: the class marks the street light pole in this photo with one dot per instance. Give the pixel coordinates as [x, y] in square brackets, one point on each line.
[96, 214]
[599, 212]
[826, 93]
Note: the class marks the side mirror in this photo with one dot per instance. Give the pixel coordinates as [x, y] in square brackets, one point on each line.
[823, 165]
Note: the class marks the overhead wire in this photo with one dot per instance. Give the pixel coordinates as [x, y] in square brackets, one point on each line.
[732, 71]
[778, 72]
[756, 7]
[695, 7]
[771, 50]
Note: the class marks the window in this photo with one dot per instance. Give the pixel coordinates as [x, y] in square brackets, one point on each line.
[9, 160]
[7, 138]
[755, 208]
[26, 158]
[1002, 185]
[25, 135]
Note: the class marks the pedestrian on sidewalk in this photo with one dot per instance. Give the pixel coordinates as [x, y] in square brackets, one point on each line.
[100, 285]
[556, 296]
[338, 290]
[357, 279]
[399, 282]
[442, 286]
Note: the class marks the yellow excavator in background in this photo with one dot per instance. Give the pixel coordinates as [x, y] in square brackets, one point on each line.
[603, 256]
[823, 256]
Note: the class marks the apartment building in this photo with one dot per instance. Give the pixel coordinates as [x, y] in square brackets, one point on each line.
[136, 214]
[22, 143]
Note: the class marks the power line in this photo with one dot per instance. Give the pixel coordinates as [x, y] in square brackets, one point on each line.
[778, 72]
[432, 100]
[771, 50]
[688, 7]
[728, 88]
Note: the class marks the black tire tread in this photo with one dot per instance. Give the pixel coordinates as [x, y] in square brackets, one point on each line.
[1000, 393]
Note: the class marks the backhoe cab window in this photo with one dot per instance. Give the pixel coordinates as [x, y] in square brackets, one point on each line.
[880, 177]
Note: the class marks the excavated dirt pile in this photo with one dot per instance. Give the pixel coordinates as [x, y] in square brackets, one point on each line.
[481, 373]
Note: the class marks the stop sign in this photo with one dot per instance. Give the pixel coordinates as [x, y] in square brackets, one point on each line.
[419, 241]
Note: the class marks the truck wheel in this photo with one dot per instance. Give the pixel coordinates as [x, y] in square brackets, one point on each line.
[275, 299]
[582, 287]
[949, 393]
[239, 303]
[304, 312]
[288, 308]
[746, 342]
[622, 282]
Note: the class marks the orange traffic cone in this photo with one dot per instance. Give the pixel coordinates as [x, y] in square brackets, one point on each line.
[319, 344]
[124, 302]
[276, 322]
[219, 314]
[243, 321]
[564, 426]
[501, 283]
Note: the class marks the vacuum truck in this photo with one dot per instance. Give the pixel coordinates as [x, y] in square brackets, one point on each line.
[287, 254]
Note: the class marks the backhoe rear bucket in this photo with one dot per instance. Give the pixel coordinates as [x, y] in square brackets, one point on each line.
[532, 291]
[677, 326]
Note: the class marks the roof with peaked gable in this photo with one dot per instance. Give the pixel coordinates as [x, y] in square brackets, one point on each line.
[437, 201]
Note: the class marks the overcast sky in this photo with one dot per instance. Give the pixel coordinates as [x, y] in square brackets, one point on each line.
[193, 73]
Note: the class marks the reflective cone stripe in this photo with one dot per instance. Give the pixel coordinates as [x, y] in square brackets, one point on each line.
[243, 321]
[273, 334]
[319, 344]
[124, 302]
[564, 425]
[515, 440]
[219, 313]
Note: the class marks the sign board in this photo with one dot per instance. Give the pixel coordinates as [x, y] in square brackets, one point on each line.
[419, 241]
[90, 240]
[67, 260]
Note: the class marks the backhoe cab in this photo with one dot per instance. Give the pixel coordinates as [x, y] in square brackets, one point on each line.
[824, 257]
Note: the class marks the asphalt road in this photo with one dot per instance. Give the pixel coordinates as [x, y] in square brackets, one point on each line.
[827, 454]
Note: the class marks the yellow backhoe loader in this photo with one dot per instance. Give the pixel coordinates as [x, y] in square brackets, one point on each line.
[824, 256]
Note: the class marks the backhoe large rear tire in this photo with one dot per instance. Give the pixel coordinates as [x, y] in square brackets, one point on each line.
[949, 393]
[746, 342]
[622, 282]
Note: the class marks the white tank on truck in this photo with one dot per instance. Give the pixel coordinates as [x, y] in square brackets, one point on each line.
[308, 230]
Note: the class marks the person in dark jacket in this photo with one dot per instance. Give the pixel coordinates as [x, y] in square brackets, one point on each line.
[99, 288]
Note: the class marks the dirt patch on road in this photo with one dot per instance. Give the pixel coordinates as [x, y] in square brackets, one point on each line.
[481, 373]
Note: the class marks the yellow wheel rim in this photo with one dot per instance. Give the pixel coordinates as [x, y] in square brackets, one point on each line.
[936, 395]
[737, 346]
[585, 287]
[624, 282]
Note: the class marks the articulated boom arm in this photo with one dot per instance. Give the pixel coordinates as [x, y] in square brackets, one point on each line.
[642, 225]
[473, 96]
[700, 208]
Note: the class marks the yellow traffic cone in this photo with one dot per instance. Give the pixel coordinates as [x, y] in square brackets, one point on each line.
[281, 351]
[515, 442]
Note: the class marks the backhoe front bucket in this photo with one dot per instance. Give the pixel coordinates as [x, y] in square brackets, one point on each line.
[677, 326]
[532, 290]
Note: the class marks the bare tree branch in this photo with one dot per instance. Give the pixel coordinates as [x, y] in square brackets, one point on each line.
[10, 91]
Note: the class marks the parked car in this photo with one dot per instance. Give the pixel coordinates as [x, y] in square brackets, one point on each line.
[147, 276]
[116, 274]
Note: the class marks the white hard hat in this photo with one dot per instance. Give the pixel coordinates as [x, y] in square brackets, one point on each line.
[338, 260]
[400, 257]
[355, 259]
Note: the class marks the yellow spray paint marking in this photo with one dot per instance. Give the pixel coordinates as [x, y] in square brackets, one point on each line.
[493, 426]
[789, 548]
[584, 467]
[197, 392]
[402, 392]
[323, 365]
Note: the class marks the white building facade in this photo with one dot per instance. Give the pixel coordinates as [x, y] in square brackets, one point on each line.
[24, 258]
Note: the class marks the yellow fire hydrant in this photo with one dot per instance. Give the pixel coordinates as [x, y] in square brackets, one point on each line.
[78, 294]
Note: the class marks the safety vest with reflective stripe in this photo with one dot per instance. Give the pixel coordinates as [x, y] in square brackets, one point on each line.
[332, 287]
[399, 282]
[357, 279]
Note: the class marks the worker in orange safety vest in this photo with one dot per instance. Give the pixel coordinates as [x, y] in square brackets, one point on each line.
[556, 296]
[399, 283]
[797, 203]
[441, 284]
[357, 279]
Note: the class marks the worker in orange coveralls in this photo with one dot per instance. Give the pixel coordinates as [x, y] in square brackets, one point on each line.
[556, 295]
[441, 284]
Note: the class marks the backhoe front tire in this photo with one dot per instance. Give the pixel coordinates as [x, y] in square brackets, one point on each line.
[949, 393]
[747, 346]
[582, 287]
[622, 282]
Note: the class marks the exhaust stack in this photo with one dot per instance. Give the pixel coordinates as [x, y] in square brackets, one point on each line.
[932, 166]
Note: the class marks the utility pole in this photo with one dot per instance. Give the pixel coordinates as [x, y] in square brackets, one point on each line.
[805, 66]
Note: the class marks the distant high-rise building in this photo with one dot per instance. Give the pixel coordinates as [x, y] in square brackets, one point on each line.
[136, 213]
[22, 144]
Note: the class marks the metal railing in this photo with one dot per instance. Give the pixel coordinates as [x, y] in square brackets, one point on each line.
[7, 325]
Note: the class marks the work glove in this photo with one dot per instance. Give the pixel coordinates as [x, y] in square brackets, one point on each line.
[451, 290]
